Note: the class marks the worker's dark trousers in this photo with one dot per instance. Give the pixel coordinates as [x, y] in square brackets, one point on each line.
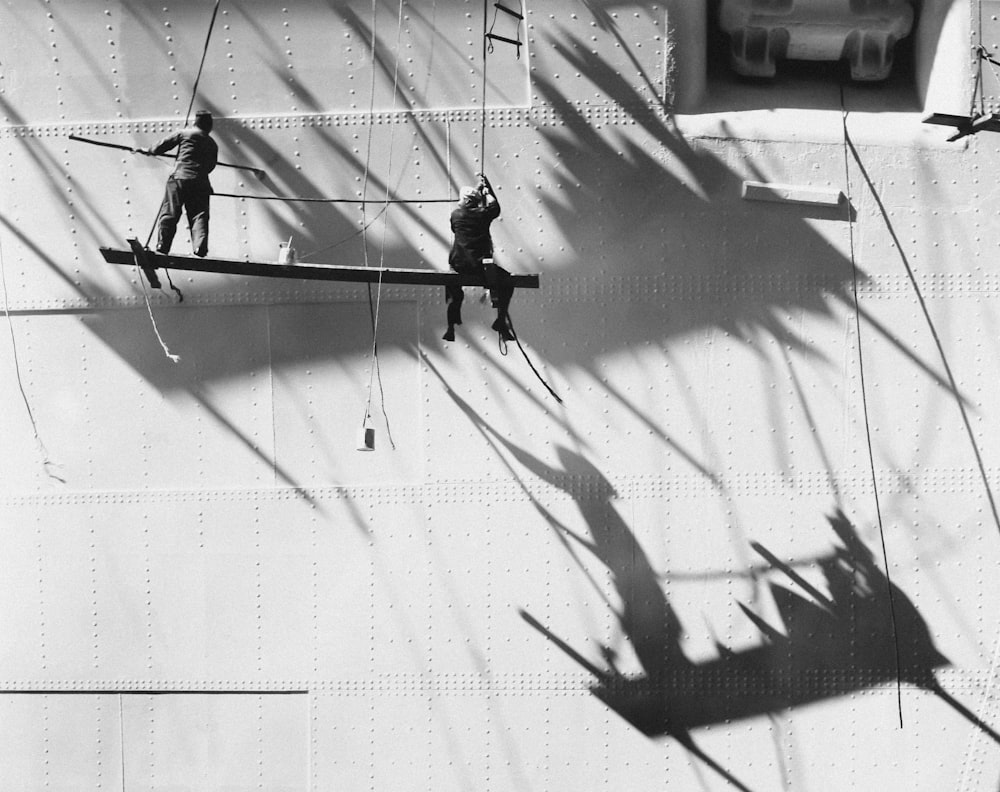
[501, 292]
[191, 196]
[454, 296]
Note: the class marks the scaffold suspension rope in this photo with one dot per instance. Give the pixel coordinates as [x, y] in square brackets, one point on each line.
[204, 52]
[864, 405]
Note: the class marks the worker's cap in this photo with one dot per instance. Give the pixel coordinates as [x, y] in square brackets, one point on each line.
[203, 119]
[468, 195]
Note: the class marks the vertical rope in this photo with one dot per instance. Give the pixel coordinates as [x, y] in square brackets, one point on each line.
[375, 368]
[201, 65]
[482, 125]
[46, 462]
[149, 309]
[368, 149]
[194, 95]
[375, 310]
[952, 383]
[979, 70]
[864, 404]
[149, 237]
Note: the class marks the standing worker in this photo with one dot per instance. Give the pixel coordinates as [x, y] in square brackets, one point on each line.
[188, 187]
[470, 222]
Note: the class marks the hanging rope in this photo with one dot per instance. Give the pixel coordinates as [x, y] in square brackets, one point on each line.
[375, 367]
[149, 309]
[482, 124]
[204, 52]
[953, 385]
[194, 95]
[979, 66]
[864, 405]
[375, 309]
[149, 237]
[503, 351]
[47, 464]
[488, 37]
[368, 148]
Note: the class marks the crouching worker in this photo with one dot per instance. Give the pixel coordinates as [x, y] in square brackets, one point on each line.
[472, 253]
[188, 187]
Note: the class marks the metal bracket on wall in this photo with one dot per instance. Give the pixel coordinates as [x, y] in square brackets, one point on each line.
[791, 193]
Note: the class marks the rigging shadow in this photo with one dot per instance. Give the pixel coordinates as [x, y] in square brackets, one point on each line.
[669, 212]
[862, 633]
[673, 213]
[646, 615]
[649, 208]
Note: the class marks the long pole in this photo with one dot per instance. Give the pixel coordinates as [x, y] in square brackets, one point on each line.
[257, 171]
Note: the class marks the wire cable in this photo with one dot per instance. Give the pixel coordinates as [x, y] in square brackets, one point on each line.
[864, 405]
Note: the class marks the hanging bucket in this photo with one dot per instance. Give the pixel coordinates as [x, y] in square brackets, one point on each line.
[366, 437]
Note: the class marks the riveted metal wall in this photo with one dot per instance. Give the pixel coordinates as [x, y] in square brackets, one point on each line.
[674, 579]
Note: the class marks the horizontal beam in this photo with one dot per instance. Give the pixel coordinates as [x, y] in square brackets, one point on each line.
[319, 272]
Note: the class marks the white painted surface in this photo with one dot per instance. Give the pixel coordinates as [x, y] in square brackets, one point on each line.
[221, 578]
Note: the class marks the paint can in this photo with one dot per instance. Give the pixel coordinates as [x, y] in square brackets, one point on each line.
[366, 437]
[286, 253]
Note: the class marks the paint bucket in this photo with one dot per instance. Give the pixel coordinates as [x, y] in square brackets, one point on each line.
[366, 437]
[286, 253]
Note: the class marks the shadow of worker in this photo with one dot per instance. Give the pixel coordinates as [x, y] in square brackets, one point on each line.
[645, 615]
